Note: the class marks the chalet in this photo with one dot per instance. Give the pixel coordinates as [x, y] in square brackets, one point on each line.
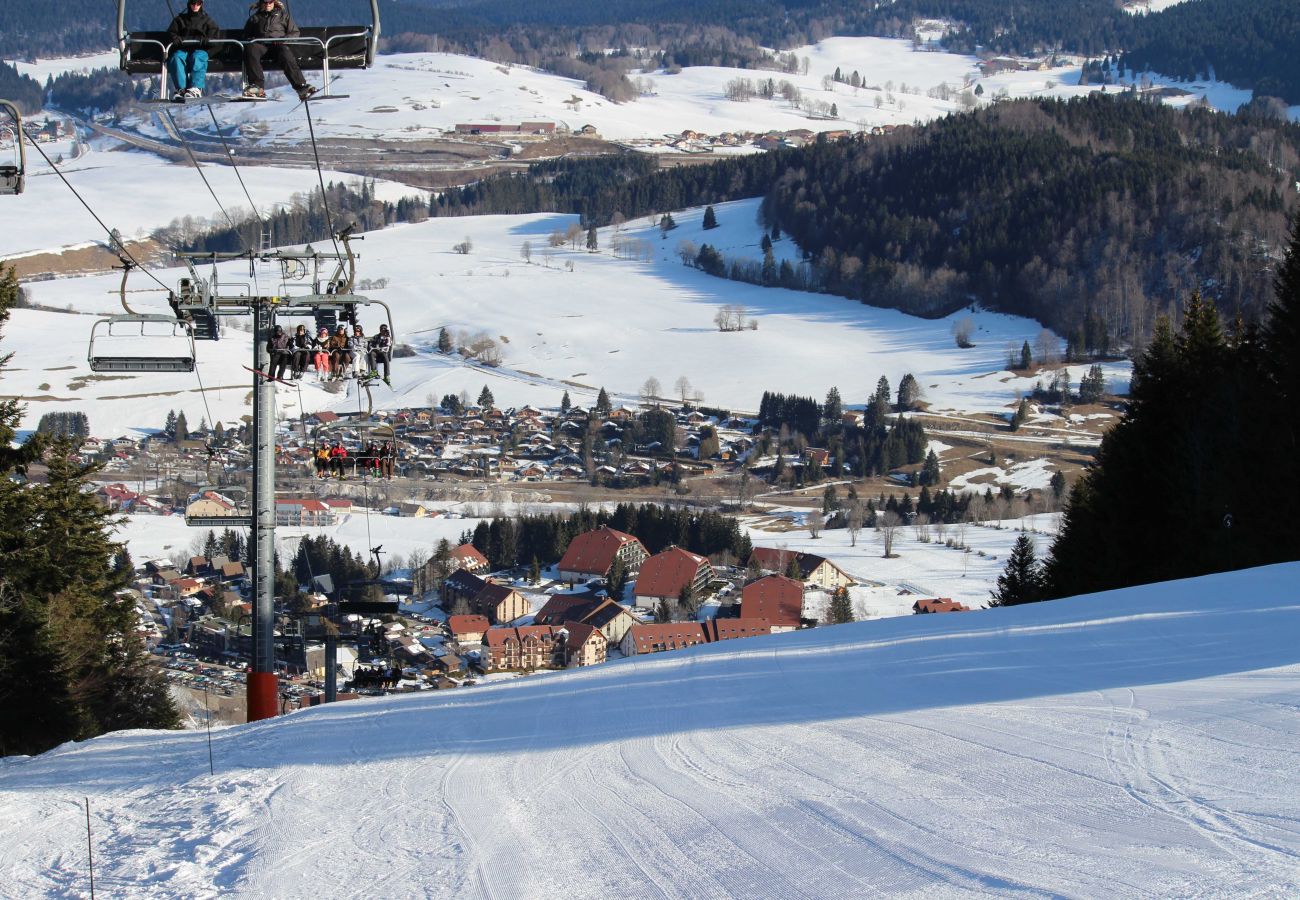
[232, 571]
[525, 647]
[591, 555]
[467, 557]
[499, 603]
[468, 629]
[665, 575]
[610, 618]
[730, 629]
[585, 646]
[412, 510]
[937, 605]
[659, 638]
[775, 598]
[117, 497]
[460, 585]
[813, 569]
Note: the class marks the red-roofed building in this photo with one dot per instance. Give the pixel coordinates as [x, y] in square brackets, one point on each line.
[730, 629]
[499, 603]
[775, 598]
[468, 629]
[591, 555]
[937, 605]
[664, 575]
[305, 512]
[813, 569]
[467, 557]
[585, 646]
[525, 647]
[663, 637]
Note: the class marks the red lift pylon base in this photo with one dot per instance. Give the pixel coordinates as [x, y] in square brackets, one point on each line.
[263, 696]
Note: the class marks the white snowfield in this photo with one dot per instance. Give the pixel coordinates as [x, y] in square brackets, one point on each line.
[1139, 743]
[608, 321]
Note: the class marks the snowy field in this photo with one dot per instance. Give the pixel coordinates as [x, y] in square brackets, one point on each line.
[1132, 744]
[136, 192]
[611, 322]
[417, 96]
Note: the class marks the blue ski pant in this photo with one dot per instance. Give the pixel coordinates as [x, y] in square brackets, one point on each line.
[187, 69]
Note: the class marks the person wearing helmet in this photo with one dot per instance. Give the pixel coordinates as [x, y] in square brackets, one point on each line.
[320, 346]
[188, 38]
[280, 346]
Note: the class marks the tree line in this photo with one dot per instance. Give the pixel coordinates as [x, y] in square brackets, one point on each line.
[72, 665]
[1175, 489]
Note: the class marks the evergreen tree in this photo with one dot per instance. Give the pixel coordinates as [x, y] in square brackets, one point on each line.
[1019, 416]
[766, 243]
[710, 218]
[485, 398]
[664, 612]
[930, 473]
[444, 341]
[1022, 580]
[535, 571]
[909, 393]
[182, 431]
[1058, 484]
[840, 611]
[833, 409]
[565, 404]
[768, 273]
[603, 405]
[593, 241]
[617, 580]
[1026, 357]
[169, 427]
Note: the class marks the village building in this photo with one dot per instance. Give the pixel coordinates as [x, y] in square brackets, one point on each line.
[586, 645]
[775, 598]
[467, 557]
[731, 629]
[664, 576]
[937, 605]
[499, 603]
[468, 629]
[525, 647]
[612, 619]
[814, 570]
[592, 554]
[303, 512]
[662, 637]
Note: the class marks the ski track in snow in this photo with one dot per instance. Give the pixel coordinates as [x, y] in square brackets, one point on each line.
[1135, 744]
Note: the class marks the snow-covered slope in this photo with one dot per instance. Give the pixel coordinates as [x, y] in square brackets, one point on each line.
[608, 321]
[1136, 743]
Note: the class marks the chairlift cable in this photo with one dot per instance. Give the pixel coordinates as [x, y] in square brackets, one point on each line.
[324, 198]
[203, 394]
[121, 247]
[231, 158]
[194, 160]
[365, 484]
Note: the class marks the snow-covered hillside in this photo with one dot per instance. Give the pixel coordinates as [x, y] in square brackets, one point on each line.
[1135, 743]
[417, 96]
[611, 322]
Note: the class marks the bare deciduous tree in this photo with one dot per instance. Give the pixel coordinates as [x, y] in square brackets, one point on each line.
[464, 246]
[1045, 347]
[682, 387]
[526, 251]
[887, 523]
[962, 332]
[853, 520]
[650, 390]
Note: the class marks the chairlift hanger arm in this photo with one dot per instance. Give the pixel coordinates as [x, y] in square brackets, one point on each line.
[12, 183]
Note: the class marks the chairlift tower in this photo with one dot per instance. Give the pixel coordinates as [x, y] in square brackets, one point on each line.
[312, 284]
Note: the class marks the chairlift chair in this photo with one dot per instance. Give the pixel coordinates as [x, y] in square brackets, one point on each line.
[131, 348]
[237, 510]
[317, 49]
[13, 173]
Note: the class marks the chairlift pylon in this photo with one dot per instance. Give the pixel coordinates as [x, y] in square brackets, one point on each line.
[13, 174]
[135, 352]
[317, 49]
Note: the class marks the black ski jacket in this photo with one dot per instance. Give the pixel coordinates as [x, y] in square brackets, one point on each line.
[277, 23]
[192, 26]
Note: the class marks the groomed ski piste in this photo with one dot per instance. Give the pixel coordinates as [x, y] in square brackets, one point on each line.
[1138, 743]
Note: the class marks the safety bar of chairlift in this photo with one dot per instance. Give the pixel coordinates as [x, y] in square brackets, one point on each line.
[324, 45]
[113, 363]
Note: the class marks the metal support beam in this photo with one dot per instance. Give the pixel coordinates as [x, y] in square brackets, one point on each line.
[263, 686]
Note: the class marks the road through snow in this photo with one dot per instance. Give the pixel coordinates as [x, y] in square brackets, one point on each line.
[1133, 744]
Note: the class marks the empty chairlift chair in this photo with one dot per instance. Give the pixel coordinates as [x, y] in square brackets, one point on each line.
[13, 168]
[318, 49]
[141, 343]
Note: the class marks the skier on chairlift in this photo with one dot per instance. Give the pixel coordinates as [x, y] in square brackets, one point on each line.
[187, 66]
[267, 21]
